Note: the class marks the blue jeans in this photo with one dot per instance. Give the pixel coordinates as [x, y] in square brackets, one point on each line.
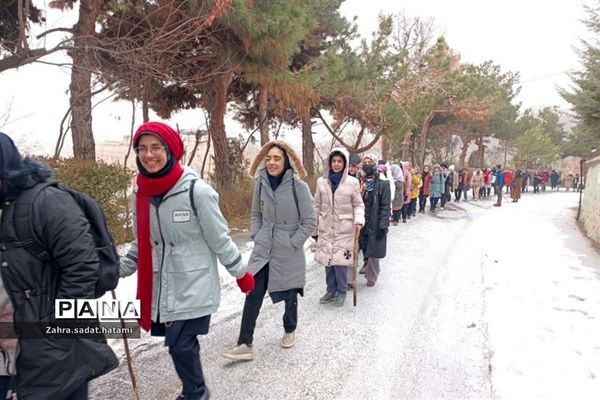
[337, 279]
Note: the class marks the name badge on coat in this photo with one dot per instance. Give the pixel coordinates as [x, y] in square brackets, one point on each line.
[182, 216]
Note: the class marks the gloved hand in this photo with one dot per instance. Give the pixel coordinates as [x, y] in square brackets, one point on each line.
[246, 283]
[315, 237]
[380, 233]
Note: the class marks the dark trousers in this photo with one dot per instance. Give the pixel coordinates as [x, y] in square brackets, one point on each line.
[434, 201]
[457, 195]
[412, 207]
[444, 199]
[422, 202]
[404, 211]
[6, 384]
[254, 302]
[185, 353]
[336, 278]
[396, 214]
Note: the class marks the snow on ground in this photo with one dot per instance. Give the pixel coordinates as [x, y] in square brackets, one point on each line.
[542, 299]
[473, 302]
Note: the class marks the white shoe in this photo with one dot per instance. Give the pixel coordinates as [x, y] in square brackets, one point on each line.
[288, 340]
[241, 352]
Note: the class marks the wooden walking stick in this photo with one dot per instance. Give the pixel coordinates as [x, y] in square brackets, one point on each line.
[128, 354]
[354, 266]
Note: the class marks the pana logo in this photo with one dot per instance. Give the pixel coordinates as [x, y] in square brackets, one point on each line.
[181, 216]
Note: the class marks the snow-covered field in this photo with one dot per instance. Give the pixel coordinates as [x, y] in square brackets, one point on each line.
[473, 302]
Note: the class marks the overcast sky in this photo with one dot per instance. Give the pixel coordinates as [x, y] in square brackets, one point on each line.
[532, 37]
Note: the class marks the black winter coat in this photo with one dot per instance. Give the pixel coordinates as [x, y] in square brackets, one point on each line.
[377, 218]
[50, 368]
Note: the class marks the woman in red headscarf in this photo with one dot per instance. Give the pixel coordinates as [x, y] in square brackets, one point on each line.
[180, 234]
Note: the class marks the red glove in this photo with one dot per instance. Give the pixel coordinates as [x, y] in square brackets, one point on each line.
[246, 283]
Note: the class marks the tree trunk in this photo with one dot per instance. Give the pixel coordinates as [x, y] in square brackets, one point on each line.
[385, 147]
[145, 110]
[217, 130]
[481, 151]
[463, 152]
[423, 138]
[263, 97]
[84, 147]
[406, 147]
[308, 146]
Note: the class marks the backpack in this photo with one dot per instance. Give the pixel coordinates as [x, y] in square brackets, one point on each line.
[108, 273]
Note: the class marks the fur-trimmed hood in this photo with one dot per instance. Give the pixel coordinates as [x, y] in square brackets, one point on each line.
[259, 163]
[30, 173]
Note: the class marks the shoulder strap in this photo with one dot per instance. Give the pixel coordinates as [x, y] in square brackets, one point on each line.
[295, 196]
[259, 190]
[192, 199]
[22, 221]
[293, 192]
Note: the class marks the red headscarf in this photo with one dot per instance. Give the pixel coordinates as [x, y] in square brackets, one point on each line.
[148, 187]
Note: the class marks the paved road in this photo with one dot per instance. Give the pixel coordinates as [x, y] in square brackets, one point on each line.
[419, 333]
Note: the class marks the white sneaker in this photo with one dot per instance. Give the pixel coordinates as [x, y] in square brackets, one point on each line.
[288, 340]
[241, 352]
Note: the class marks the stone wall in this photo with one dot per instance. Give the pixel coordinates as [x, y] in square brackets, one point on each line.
[590, 206]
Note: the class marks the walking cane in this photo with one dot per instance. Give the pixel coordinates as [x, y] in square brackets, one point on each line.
[354, 266]
[128, 354]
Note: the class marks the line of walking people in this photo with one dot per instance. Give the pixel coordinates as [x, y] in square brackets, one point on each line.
[181, 236]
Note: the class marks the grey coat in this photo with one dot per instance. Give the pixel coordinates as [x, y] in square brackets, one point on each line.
[279, 232]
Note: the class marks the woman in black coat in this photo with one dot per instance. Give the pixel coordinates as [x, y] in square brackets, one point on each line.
[377, 199]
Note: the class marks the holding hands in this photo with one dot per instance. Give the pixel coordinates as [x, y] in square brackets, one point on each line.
[246, 283]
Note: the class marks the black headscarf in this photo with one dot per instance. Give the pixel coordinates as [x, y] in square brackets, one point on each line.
[336, 177]
[275, 181]
[10, 160]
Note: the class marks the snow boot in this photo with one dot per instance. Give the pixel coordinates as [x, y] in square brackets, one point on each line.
[339, 300]
[327, 298]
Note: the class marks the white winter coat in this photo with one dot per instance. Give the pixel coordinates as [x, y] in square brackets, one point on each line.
[337, 214]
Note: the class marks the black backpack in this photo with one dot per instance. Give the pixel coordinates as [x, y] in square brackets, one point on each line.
[108, 273]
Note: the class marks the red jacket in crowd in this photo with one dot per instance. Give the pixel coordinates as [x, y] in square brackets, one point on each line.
[508, 177]
[486, 176]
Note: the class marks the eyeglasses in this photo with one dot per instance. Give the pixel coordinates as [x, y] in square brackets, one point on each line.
[154, 149]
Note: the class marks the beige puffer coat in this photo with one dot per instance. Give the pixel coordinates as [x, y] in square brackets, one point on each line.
[337, 214]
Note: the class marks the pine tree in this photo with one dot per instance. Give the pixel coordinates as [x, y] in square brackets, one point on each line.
[584, 96]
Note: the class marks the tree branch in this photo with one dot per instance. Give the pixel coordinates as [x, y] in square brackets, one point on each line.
[370, 145]
[26, 56]
[336, 136]
[49, 31]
